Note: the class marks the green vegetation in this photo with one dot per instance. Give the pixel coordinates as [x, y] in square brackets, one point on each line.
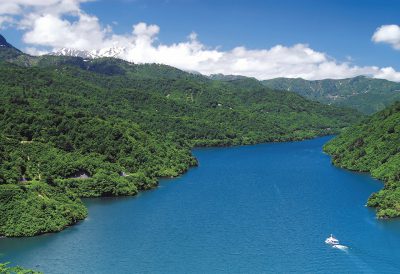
[365, 94]
[5, 269]
[72, 128]
[374, 146]
[37, 208]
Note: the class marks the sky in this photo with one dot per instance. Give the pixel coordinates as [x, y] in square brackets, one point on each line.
[312, 39]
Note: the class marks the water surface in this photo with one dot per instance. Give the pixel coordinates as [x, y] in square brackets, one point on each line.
[253, 209]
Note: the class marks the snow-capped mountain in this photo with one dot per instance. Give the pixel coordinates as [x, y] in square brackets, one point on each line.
[73, 52]
[116, 52]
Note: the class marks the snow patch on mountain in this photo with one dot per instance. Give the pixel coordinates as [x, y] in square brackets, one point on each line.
[115, 52]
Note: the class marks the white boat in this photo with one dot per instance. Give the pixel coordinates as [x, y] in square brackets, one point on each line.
[332, 241]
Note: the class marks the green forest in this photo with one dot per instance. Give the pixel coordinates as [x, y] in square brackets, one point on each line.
[374, 146]
[73, 128]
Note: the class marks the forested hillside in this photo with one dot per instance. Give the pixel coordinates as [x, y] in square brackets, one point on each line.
[365, 94]
[72, 128]
[374, 146]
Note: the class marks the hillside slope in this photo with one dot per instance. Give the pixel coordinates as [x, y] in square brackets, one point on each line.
[374, 146]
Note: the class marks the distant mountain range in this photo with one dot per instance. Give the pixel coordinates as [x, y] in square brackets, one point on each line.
[367, 95]
[364, 94]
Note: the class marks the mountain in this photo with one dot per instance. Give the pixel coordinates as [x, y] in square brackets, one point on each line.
[85, 54]
[74, 53]
[72, 128]
[4, 43]
[7, 50]
[374, 146]
[228, 78]
[365, 94]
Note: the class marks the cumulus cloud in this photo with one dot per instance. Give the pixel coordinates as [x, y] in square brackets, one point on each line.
[55, 32]
[389, 34]
[54, 24]
[388, 73]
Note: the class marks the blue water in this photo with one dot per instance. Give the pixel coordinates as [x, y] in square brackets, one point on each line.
[253, 209]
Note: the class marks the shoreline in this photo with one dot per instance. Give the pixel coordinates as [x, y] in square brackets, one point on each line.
[170, 177]
[383, 182]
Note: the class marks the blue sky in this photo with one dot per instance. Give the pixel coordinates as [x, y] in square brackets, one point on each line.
[340, 29]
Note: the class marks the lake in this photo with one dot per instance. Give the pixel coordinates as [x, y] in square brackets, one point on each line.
[252, 209]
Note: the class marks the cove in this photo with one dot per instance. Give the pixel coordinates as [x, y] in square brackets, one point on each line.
[251, 209]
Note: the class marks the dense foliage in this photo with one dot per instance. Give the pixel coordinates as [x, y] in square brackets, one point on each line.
[37, 208]
[5, 269]
[365, 94]
[73, 128]
[374, 146]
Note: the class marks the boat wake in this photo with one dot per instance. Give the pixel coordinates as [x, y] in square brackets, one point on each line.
[341, 247]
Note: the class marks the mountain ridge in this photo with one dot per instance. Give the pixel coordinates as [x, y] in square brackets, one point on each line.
[7, 50]
[4, 43]
[365, 94]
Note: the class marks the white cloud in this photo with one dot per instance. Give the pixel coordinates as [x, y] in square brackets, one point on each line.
[389, 34]
[35, 51]
[53, 31]
[388, 73]
[55, 24]
[9, 8]
[19, 7]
